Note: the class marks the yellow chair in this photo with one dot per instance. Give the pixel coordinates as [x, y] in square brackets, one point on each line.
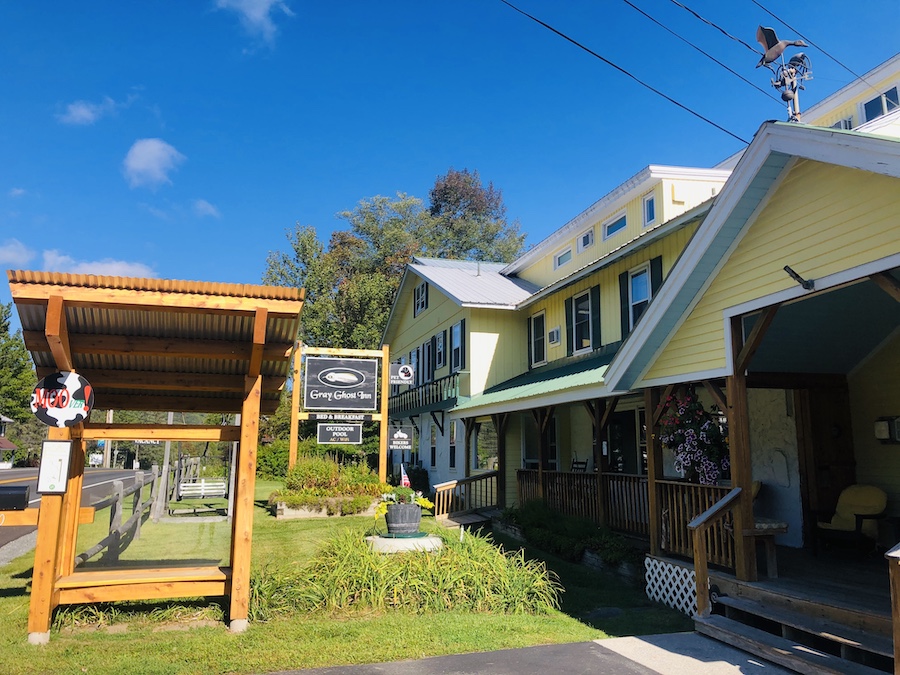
[854, 520]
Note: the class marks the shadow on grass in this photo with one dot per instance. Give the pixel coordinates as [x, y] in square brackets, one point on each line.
[603, 600]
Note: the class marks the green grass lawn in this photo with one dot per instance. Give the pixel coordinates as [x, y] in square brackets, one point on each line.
[193, 638]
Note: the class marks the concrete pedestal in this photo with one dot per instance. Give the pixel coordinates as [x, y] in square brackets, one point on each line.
[398, 544]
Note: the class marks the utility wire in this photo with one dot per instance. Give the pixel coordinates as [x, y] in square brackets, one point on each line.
[717, 27]
[813, 44]
[709, 56]
[624, 72]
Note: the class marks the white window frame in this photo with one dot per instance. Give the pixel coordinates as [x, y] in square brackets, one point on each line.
[647, 200]
[427, 372]
[534, 338]
[456, 338]
[440, 354]
[586, 235]
[558, 257]
[553, 336]
[643, 269]
[575, 323]
[420, 298]
[451, 459]
[621, 216]
[884, 104]
[845, 123]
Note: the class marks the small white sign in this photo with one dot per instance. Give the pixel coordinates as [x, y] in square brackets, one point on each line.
[54, 472]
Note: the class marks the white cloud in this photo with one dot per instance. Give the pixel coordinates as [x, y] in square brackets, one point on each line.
[17, 192]
[256, 15]
[203, 208]
[149, 162]
[54, 261]
[14, 254]
[83, 113]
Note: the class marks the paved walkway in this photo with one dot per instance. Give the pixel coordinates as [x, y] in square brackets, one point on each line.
[670, 654]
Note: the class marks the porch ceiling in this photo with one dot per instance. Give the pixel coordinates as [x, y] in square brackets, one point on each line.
[829, 332]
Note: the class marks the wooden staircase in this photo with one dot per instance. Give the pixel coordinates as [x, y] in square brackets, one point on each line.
[803, 634]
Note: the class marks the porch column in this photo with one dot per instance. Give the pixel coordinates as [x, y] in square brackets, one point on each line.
[599, 412]
[500, 421]
[654, 465]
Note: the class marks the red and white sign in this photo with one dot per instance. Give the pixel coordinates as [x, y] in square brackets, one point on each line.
[62, 400]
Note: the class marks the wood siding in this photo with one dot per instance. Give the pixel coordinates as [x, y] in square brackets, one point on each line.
[846, 219]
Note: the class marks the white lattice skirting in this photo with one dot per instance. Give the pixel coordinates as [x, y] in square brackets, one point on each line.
[672, 584]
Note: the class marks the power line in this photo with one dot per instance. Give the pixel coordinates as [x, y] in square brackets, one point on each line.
[709, 56]
[625, 72]
[716, 26]
[813, 44]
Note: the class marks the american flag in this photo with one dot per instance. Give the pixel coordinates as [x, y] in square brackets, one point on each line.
[404, 479]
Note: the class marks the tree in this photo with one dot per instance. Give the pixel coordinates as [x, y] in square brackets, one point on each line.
[17, 378]
[351, 285]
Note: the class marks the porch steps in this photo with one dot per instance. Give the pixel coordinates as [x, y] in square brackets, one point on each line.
[469, 519]
[785, 652]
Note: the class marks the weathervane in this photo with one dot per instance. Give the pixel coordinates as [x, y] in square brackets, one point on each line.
[789, 77]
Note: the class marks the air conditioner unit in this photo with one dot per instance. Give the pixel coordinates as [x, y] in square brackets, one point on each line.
[553, 336]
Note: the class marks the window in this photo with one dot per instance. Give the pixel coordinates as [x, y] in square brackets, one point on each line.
[649, 210]
[427, 362]
[538, 348]
[420, 298]
[585, 239]
[562, 258]
[414, 362]
[614, 226]
[638, 293]
[581, 322]
[440, 356]
[846, 123]
[433, 445]
[484, 451]
[453, 444]
[458, 346]
[882, 104]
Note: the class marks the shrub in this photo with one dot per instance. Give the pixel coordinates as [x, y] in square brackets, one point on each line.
[272, 459]
[312, 473]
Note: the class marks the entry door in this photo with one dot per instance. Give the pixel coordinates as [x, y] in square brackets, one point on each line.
[826, 447]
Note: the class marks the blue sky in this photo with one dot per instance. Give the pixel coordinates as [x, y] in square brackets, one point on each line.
[183, 139]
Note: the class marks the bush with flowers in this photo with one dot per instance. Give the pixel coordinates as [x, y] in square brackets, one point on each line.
[695, 436]
[402, 495]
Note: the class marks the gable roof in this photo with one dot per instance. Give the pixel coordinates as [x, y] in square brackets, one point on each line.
[760, 168]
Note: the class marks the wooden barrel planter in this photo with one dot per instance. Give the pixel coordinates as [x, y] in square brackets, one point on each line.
[403, 518]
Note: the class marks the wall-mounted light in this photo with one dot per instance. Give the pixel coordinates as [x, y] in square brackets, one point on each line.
[807, 284]
[887, 429]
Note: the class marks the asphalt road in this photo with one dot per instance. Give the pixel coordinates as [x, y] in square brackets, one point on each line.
[98, 484]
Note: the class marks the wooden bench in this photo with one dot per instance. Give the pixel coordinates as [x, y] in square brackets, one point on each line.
[202, 489]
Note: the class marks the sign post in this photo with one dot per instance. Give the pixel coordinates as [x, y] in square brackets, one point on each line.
[340, 388]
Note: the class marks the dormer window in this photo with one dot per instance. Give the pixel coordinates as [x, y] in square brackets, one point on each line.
[882, 104]
[585, 239]
[649, 210]
[614, 226]
[562, 258]
[420, 298]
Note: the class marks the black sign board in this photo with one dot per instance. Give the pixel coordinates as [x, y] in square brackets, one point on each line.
[340, 384]
[330, 434]
[403, 373]
[340, 417]
[401, 438]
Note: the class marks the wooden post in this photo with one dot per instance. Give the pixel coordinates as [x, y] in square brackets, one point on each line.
[295, 407]
[46, 553]
[500, 423]
[383, 425]
[654, 466]
[65, 562]
[242, 523]
[893, 558]
[115, 521]
[138, 502]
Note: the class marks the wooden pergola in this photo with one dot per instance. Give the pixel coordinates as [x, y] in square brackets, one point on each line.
[158, 345]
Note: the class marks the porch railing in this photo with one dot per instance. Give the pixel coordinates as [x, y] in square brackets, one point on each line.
[627, 503]
[703, 531]
[439, 394]
[465, 495]
[679, 504]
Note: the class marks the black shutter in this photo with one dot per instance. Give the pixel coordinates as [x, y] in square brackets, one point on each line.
[432, 361]
[656, 275]
[570, 338]
[595, 317]
[462, 344]
[624, 305]
[528, 348]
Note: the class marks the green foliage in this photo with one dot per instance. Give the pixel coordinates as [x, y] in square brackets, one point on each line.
[17, 378]
[321, 484]
[469, 575]
[568, 537]
[272, 459]
[313, 473]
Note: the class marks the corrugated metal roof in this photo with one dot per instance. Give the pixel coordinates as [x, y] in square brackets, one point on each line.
[161, 344]
[473, 284]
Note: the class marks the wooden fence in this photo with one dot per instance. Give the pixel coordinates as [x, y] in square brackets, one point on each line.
[465, 495]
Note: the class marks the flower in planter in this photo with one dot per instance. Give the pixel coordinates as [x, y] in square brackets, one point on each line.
[402, 495]
[695, 436]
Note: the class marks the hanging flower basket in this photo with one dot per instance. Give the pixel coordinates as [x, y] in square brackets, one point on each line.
[696, 437]
[403, 518]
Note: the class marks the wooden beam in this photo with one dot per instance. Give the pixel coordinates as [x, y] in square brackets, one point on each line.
[57, 334]
[334, 351]
[31, 515]
[230, 404]
[121, 345]
[157, 381]
[162, 432]
[888, 284]
[717, 394]
[765, 380]
[607, 414]
[383, 426]
[259, 342]
[654, 465]
[294, 441]
[758, 332]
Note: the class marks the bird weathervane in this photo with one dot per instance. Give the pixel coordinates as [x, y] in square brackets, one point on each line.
[789, 77]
